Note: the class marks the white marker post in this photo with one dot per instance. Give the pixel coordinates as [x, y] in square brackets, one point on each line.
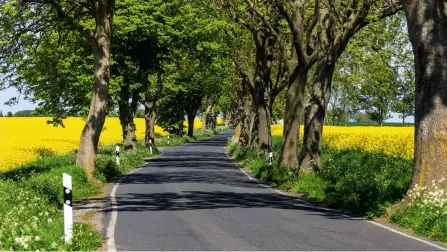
[270, 158]
[117, 149]
[169, 140]
[150, 146]
[68, 209]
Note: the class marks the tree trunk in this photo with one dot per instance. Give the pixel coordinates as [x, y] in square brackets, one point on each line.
[254, 129]
[427, 22]
[321, 89]
[315, 115]
[126, 119]
[260, 82]
[288, 157]
[149, 118]
[180, 128]
[204, 115]
[264, 128]
[246, 117]
[211, 119]
[88, 146]
[191, 118]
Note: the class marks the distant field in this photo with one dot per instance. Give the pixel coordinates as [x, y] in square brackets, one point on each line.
[393, 141]
[25, 139]
[394, 124]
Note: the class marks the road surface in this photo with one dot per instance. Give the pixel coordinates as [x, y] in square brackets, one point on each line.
[193, 197]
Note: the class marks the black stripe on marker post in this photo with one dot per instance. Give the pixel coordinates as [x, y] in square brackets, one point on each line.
[68, 197]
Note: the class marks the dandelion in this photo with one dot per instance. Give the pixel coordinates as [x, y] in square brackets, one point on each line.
[49, 220]
[37, 238]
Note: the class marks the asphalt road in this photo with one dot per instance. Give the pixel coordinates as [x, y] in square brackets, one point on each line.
[194, 197]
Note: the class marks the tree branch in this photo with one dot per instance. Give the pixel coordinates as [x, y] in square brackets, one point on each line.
[69, 20]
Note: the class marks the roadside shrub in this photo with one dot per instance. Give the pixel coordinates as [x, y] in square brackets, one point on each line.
[364, 182]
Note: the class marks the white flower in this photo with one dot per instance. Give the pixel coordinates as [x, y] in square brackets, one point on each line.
[37, 238]
[50, 220]
[53, 245]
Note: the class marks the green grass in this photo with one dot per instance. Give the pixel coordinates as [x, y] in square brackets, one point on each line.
[361, 182]
[31, 196]
[423, 219]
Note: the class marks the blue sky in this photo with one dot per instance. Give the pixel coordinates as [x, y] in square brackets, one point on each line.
[6, 94]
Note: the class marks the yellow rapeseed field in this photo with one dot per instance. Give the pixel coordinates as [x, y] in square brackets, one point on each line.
[394, 141]
[21, 139]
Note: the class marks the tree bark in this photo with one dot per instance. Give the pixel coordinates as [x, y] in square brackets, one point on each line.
[88, 146]
[315, 115]
[126, 119]
[427, 22]
[246, 117]
[321, 89]
[260, 82]
[180, 128]
[150, 109]
[204, 117]
[288, 157]
[151, 97]
[191, 118]
[254, 129]
[211, 119]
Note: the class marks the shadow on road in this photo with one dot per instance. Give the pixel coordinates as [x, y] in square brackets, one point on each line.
[207, 165]
[198, 200]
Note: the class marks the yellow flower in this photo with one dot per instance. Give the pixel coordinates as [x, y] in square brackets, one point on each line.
[393, 141]
[25, 139]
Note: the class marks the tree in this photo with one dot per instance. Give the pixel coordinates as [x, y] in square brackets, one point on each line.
[426, 22]
[91, 20]
[260, 79]
[1, 113]
[333, 36]
[362, 117]
[297, 63]
[9, 114]
[24, 113]
[343, 103]
[404, 104]
[378, 86]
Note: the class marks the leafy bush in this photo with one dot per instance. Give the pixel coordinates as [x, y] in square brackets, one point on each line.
[364, 182]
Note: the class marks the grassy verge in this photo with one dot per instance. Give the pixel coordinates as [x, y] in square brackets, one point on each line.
[360, 182]
[31, 196]
[366, 184]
